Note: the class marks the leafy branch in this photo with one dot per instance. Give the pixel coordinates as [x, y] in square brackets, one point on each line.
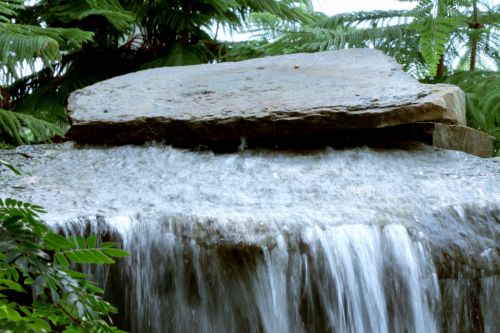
[38, 289]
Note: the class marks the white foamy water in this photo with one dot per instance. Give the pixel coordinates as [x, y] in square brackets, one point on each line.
[319, 241]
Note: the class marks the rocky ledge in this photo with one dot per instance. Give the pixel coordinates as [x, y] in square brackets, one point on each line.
[281, 100]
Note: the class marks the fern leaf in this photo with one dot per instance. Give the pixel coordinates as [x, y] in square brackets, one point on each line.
[78, 10]
[435, 21]
[8, 9]
[43, 104]
[10, 166]
[24, 44]
[20, 128]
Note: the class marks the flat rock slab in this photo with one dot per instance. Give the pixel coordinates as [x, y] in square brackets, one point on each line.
[269, 97]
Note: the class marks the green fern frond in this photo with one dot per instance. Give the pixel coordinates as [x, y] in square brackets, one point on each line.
[44, 105]
[8, 165]
[435, 21]
[375, 18]
[78, 10]
[491, 16]
[323, 36]
[291, 10]
[385, 30]
[24, 44]
[21, 128]
[8, 9]
[18, 44]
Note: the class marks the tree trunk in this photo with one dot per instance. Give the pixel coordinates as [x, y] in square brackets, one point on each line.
[474, 25]
[473, 54]
[441, 68]
[4, 98]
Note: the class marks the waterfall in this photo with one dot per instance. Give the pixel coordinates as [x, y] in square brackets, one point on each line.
[189, 275]
[345, 278]
[356, 240]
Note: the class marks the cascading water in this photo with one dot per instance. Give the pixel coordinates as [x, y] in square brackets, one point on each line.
[329, 241]
[345, 278]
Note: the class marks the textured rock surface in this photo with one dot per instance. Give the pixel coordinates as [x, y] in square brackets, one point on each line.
[451, 137]
[261, 98]
[462, 138]
[454, 102]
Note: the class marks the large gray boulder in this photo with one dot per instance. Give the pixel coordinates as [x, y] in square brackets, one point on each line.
[272, 97]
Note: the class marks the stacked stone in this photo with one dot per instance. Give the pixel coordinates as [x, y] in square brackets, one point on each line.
[322, 98]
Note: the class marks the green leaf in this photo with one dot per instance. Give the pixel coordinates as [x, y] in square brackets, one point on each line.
[88, 256]
[39, 325]
[54, 294]
[79, 242]
[10, 166]
[74, 330]
[12, 285]
[109, 244]
[91, 241]
[9, 314]
[38, 286]
[61, 259]
[21, 128]
[55, 241]
[76, 275]
[115, 252]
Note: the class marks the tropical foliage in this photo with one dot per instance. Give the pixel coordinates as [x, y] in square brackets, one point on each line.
[21, 47]
[39, 292]
[51, 48]
[435, 38]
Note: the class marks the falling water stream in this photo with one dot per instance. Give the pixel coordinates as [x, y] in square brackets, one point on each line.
[358, 240]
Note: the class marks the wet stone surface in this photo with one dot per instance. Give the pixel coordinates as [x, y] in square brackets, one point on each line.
[449, 198]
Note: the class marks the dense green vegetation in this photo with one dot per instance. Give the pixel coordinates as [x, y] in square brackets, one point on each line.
[482, 93]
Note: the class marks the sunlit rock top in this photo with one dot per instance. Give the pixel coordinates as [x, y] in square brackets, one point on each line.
[281, 96]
